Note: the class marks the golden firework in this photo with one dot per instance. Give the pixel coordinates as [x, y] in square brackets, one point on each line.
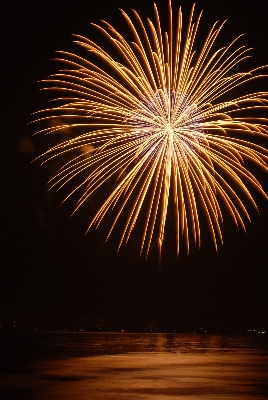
[155, 116]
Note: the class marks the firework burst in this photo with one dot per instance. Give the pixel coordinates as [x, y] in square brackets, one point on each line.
[155, 117]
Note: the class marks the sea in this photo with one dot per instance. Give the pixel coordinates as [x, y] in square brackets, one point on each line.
[153, 366]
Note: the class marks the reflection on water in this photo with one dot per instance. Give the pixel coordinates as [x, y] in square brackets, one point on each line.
[134, 366]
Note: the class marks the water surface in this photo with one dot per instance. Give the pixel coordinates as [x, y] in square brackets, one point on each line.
[80, 366]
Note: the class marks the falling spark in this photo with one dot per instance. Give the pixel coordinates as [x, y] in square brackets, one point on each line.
[158, 121]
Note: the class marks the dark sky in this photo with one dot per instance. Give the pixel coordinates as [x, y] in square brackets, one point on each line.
[51, 274]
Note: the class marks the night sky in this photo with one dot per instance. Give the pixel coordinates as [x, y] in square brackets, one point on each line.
[52, 275]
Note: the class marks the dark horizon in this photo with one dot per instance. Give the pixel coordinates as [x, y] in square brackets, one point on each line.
[52, 275]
